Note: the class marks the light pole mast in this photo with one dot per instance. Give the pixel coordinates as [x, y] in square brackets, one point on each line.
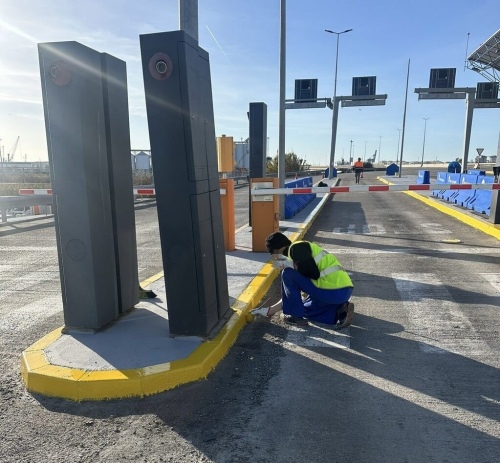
[423, 145]
[397, 154]
[379, 143]
[282, 106]
[188, 17]
[335, 104]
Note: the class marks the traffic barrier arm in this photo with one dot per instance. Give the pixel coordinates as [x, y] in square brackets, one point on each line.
[374, 188]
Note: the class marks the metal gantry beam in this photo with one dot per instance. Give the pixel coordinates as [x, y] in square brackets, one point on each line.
[485, 60]
[469, 93]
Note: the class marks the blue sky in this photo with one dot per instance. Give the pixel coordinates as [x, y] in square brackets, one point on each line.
[242, 38]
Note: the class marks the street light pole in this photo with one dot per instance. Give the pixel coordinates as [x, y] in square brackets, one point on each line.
[282, 106]
[397, 154]
[423, 146]
[379, 143]
[335, 104]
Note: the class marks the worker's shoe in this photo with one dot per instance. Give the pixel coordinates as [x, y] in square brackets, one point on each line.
[299, 321]
[346, 315]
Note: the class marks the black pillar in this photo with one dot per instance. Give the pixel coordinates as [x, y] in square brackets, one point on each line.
[183, 151]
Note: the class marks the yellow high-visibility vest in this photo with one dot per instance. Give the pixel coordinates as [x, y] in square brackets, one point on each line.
[332, 274]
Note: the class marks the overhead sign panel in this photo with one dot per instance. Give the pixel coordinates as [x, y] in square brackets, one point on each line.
[442, 78]
[348, 103]
[441, 96]
[307, 104]
[306, 89]
[487, 90]
[364, 85]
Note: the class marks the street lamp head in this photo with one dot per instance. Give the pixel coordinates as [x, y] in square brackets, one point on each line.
[338, 33]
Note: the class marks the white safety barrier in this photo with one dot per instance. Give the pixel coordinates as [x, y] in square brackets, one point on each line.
[36, 191]
[375, 188]
[152, 192]
[37, 209]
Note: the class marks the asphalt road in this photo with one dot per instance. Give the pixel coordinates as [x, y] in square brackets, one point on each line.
[415, 379]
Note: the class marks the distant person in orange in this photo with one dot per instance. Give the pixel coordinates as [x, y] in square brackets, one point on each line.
[358, 169]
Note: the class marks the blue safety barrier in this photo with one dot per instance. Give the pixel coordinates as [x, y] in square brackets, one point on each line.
[482, 200]
[454, 167]
[449, 195]
[464, 197]
[424, 177]
[476, 200]
[477, 172]
[327, 173]
[441, 177]
[391, 169]
[295, 203]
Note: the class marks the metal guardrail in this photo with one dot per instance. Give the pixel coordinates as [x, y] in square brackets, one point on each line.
[16, 202]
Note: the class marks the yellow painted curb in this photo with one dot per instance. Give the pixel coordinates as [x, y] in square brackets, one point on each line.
[44, 378]
[41, 377]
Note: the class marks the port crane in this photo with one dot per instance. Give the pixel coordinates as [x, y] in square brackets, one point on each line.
[13, 150]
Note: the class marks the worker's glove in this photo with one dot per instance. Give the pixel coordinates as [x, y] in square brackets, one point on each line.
[282, 262]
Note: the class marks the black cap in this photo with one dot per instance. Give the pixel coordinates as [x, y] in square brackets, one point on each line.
[277, 240]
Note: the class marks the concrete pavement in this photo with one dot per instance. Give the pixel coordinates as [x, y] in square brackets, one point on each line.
[136, 356]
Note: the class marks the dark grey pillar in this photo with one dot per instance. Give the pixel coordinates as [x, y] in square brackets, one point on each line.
[121, 183]
[257, 140]
[85, 150]
[183, 150]
[495, 207]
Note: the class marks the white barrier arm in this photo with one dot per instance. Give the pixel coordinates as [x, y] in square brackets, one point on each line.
[375, 188]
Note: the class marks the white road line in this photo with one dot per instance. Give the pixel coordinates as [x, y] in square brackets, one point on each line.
[452, 250]
[318, 336]
[12, 283]
[29, 315]
[434, 320]
[467, 418]
[379, 229]
[28, 248]
[493, 279]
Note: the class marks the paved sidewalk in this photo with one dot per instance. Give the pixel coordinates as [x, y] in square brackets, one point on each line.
[136, 356]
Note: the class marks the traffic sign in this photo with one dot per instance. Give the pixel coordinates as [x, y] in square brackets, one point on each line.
[479, 151]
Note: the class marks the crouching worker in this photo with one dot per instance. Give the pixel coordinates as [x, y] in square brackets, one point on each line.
[314, 286]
